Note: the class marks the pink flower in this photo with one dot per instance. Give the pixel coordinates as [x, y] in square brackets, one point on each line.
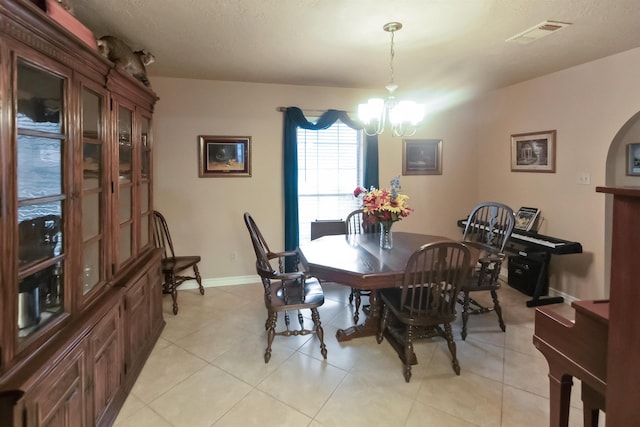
[358, 191]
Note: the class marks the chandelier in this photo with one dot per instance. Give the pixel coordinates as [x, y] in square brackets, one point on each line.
[403, 116]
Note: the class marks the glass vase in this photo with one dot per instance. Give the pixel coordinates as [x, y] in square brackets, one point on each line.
[386, 235]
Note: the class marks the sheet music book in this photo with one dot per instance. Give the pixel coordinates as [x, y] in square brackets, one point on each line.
[526, 218]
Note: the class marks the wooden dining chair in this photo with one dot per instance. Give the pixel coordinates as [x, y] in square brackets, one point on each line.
[174, 266]
[285, 291]
[488, 228]
[356, 224]
[425, 305]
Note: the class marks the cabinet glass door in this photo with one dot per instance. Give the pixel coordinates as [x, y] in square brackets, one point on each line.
[125, 184]
[145, 182]
[93, 194]
[41, 202]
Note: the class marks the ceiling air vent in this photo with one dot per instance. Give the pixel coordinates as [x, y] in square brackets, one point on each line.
[534, 33]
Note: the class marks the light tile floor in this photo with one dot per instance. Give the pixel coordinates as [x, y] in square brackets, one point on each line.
[207, 369]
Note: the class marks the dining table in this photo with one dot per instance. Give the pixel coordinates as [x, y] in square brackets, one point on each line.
[357, 261]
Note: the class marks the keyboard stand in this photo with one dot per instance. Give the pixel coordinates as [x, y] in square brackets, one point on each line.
[538, 248]
[544, 258]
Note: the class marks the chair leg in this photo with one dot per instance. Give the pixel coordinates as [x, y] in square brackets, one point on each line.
[465, 314]
[448, 334]
[315, 316]
[271, 333]
[409, 355]
[498, 309]
[174, 296]
[172, 288]
[196, 272]
[300, 319]
[287, 321]
[353, 291]
[383, 324]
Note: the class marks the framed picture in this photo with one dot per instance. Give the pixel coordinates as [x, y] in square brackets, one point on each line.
[224, 156]
[633, 159]
[534, 152]
[422, 157]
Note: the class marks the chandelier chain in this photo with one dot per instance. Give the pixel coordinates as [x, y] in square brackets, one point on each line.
[393, 54]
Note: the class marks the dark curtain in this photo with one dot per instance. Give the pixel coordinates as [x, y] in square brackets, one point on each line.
[294, 118]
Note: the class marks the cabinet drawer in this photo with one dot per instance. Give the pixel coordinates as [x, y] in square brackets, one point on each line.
[60, 395]
[105, 332]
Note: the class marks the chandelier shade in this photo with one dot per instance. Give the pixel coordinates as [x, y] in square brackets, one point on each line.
[402, 116]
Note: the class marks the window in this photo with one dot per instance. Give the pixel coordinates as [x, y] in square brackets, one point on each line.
[330, 166]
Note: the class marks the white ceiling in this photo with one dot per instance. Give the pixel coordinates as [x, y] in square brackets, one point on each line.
[445, 45]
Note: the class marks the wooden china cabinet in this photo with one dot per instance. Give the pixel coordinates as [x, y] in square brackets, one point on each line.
[80, 286]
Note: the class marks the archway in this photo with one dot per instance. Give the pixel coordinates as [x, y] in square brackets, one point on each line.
[616, 175]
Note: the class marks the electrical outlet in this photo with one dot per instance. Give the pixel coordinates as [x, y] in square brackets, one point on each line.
[584, 178]
[233, 257]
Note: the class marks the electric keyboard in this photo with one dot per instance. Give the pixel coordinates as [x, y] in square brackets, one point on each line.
[524, 242]
[538, 248]
[537, 241]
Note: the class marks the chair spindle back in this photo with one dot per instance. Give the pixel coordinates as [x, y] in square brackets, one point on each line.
[432, 279]
[357, 224]
[161, 236]
[490, 225]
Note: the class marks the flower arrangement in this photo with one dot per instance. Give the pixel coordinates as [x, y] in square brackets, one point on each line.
[384, 205]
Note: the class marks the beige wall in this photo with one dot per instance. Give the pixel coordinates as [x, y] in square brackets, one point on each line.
[205, 214]
[587, 106]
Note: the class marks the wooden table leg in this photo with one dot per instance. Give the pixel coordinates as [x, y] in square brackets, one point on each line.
[592, 402]
[559, 398]
[369, 327]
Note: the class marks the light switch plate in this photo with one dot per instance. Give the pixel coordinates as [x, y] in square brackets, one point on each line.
[584, 178]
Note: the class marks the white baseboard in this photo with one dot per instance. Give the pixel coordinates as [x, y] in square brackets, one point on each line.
[568, 299]
[220, 281]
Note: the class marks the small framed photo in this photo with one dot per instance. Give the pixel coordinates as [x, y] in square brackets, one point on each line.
[534, 152]
[633, 159]
[224, 156]
[422, 157]
[526, 219]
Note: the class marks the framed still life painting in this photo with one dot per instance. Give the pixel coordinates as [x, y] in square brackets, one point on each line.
[224, 156]
[422, 157]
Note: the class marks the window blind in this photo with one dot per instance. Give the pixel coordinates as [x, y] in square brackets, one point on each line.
[330, 166]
